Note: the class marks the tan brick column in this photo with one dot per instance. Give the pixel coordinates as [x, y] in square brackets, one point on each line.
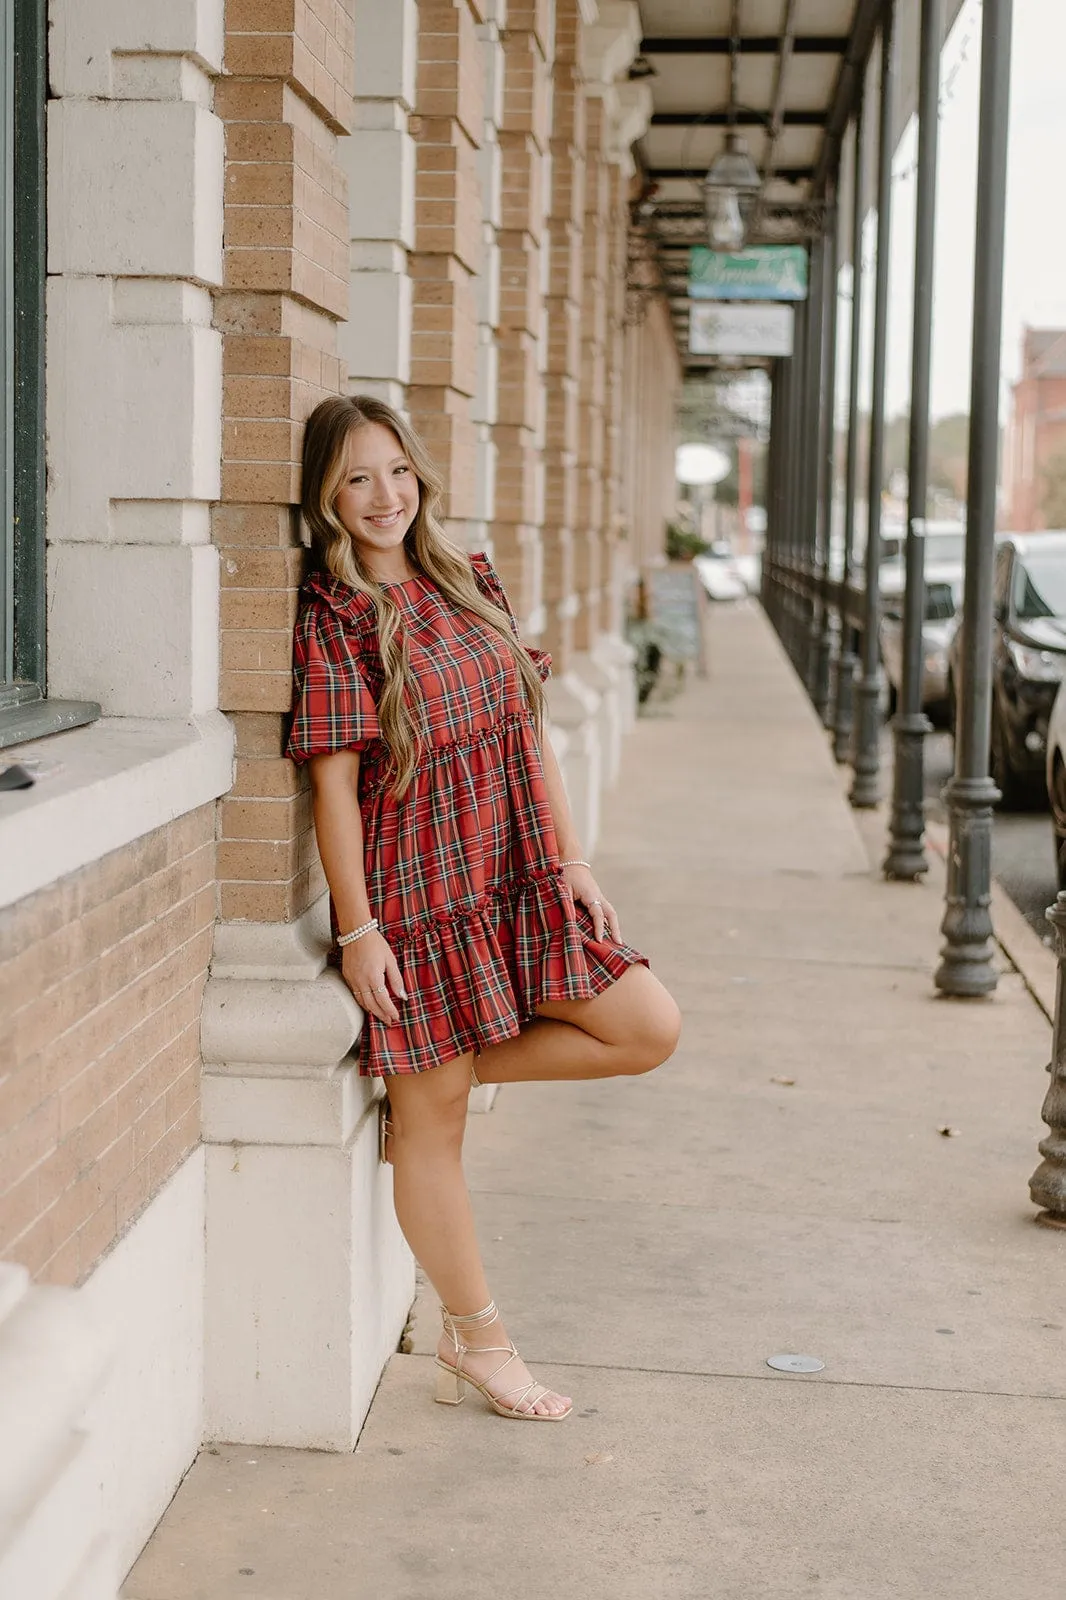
[449, 105]
[302, 1250]
[285, 101]
[592, 392]
[564, 311]
[617, 555]
[523, 137]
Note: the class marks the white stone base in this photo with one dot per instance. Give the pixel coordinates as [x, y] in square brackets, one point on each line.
[309, 1283]
[146, 1423]
[309, 1280]
[574, 707]
[101, 1402]
[620, 658]
[52, 1360]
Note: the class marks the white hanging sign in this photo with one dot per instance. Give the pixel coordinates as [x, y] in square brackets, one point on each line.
[740, 330]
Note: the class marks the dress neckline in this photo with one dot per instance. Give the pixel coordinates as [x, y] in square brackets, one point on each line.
[401, 583]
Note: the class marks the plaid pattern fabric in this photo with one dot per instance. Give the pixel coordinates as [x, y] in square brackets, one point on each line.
[463, 870]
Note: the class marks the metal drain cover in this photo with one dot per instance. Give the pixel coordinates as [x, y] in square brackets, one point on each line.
[795, 1363]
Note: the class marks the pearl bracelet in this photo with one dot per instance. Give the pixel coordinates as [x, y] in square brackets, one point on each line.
[576, 863]
[357, 933]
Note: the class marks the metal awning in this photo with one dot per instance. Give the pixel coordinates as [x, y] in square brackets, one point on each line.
[781, 72]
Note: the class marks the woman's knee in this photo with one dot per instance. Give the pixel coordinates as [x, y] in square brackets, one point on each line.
[431, 1106]
[656, 1037]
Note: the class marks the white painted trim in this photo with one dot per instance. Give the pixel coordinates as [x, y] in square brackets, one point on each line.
[103, 786]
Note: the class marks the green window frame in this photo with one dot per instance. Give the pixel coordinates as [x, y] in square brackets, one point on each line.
[25, 710]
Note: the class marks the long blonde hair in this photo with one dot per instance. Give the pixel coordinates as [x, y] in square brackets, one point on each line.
[428, 548]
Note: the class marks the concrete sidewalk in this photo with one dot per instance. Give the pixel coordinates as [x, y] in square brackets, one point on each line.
[780, 1186]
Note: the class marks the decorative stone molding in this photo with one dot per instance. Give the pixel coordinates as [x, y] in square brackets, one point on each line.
[631, 121]
[611, 44]
[134, 381]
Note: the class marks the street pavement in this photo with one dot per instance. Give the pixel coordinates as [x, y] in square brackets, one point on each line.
[834, 1164]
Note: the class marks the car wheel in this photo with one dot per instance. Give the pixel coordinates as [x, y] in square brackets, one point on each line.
[1012, 788]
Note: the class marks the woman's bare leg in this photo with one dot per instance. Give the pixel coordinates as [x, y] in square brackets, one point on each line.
[630, 1028]
[428, 1114]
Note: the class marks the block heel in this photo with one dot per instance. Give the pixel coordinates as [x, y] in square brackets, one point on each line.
[449, 1387]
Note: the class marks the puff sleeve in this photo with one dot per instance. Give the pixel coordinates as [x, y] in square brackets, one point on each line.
[332, 706]
[488, 582]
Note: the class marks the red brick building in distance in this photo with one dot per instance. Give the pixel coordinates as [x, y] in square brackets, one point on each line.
[1036, 431]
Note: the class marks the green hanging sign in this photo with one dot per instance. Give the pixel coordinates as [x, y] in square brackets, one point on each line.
[762, 272]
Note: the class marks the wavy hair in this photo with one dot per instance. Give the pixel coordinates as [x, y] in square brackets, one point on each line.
[428, 548]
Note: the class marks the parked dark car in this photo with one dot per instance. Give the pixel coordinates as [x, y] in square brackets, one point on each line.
[1028, 658]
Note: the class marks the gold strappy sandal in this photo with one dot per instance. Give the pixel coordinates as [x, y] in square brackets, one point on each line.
[451, 1376]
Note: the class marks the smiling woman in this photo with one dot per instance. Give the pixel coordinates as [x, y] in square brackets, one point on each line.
[466, 923]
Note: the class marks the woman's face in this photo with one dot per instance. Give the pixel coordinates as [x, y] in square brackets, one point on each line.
[378, 497]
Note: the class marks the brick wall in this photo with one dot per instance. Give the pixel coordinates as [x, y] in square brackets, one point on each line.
[285, 100]
[651, 379]
[101, 977]
[449, 105]
[564, 312]
[524, 136]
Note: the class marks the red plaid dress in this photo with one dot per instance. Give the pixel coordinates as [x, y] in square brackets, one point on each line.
[463, 870]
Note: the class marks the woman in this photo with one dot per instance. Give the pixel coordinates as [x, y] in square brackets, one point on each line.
[469, 927]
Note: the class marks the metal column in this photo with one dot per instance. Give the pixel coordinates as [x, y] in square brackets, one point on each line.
[867, 761]
[812, 415]
[826, 459]
[906, 856]
[966, 958]
[843, 711]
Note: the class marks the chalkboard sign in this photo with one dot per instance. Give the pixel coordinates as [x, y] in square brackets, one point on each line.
[674, 605]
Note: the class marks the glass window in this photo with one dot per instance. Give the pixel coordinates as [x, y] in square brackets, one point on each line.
[24, 711]
[22, 352]
[1040, 586]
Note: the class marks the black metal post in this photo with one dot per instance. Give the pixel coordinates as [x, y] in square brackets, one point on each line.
[784, 467]
[1047, 1186]
[797, 530]
[844, 709]
[867, 759]
[773, 462]
[966, 958]
[812, 413]
[906, 857]
[822, 640]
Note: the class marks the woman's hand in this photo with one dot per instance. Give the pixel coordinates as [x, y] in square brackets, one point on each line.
[587, 890]
[369, 969]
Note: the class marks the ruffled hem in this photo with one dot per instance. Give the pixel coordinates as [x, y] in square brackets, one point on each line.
[477, 978]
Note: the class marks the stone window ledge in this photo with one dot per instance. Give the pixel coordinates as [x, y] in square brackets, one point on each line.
[102, 786]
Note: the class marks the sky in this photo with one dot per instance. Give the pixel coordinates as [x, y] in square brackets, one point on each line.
[1035, 282]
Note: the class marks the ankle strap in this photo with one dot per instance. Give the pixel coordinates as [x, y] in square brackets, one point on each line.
[476, 1319]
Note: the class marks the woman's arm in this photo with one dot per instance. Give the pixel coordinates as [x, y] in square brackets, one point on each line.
[580, 879]
[368, 966]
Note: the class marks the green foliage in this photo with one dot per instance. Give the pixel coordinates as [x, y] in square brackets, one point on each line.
[682, 544]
